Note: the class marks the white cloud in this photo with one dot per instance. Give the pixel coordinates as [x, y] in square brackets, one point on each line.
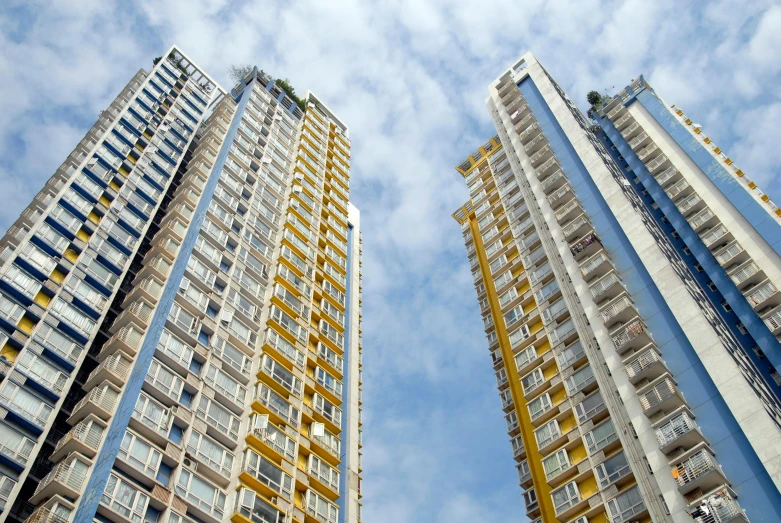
[409, 78]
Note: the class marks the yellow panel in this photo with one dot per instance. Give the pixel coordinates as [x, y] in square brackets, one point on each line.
[550, 372]
[26, 325]
[752, 185]
[529, 307]
[105, 201]
[82, 235]
[567, 424]
[57, 276]
[545, 347]
[588, 487]
[70, 255]
[727, 161]
[94, 218]
[42, 299]
[123, 171]
[578, 454]
[517, 272]
[9, 353]
[739, 172]
[536, 327]
[559, 396]
[114, 185]
[525, 287]
[298, 498]
[301, 460]
[147, 134]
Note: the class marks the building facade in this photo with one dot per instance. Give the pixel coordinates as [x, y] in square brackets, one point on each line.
[181, 314]
[635, 365]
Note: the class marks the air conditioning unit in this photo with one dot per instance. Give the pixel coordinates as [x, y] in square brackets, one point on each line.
[190, 464]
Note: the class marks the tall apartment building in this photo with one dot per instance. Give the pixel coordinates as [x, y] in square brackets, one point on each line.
[627, 276]
[180, 314]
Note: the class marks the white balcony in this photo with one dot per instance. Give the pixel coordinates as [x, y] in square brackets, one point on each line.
[662, 395]
[679, 431]
[65, 479]
[648, 365]
[699, 470]
[630, 336]
[620, 309]
[763, 295]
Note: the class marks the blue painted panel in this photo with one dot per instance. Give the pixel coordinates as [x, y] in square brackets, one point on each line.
[88, 503]
[693, 380]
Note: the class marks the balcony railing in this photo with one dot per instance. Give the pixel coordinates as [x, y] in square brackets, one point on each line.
[628, 333]
[656, 162]
[676, 189]
[721, 508]
[744, 273]
[711, 236]
[65, 474]
[773, 321]
[46, 515]
[688, 203]
[658, 394]
[674, 429]
[582, 244]
[549, 182]
[557, 196]
[641, 363]
[626, 133]
[761, 293]
[604, 284]
[615, 307]
[694, 467]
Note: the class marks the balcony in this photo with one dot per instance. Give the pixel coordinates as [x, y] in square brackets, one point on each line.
[700, 218]
[518, 110]
[576, 227]
[538, 158]
[586, 246]
[568, 210]
[680, 430]
[84, 438]
[679, 188]
[716, 237]
[745, 274]
[639, 141]
[630, 131]
[732, 255]
[624, 120]
[98, 401]
[115, 369]
[656, 163]
[773, 321]
[719, 507]
[699, 471]
[524, 123]
[48, 515]
[667, 175]
[553, 182]
[763, 295]
[560, 196]
[534, 144]
[648, 365]
[648, 150]
[596, 266]
[689, 203]
[621, 309]
[630, 336]
[65, 479]
[661, 395]
[607, 287]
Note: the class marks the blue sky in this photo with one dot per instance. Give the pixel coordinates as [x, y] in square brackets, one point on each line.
[409, 78]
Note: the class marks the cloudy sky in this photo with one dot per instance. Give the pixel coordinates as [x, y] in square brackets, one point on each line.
[409, 77]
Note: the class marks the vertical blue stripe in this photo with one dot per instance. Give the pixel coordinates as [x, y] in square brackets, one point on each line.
[347, 394]
[104, 461]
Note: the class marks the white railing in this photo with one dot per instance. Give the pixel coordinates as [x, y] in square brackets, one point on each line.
[674, 429]
[545, 166]
[761, 293]
[688, 202]
[621, 121]
[637, 139]
[666, 175]
[628, 333]
[100, 398]
[697, 465]
[661, 391]
[604, 284]
[643, 153]
[629, 130]
[560, 192]
[65, 474]
[745, 273]
[656, 162]
[641, 363]
[676, 188]
[540, 154]
[566, 208]
[700, 218]
[574, 225]
[774, 320]
[721, 509]
[81, 432]
[712, 235]
[616, 306]
[548, 183]
[592, 263]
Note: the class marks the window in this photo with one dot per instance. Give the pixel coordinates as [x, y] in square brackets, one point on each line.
[175, 348]
[22, 281]
[42, 371]
[152, 414]
[515, 314]
[73, 317]
[268, 474]
[532, 380]
[140, 454]
[330, 383]
[612, 469]
[124, 498]
[726, 306]
[547, 433]
[277, 404]
[711, 286]
[625, 505]
[231, 355]
[579, 380]
[225, 384]
[57, 342]
[601, 436]
[320, 508]
[570, 355]
[327, 409]
[511, 420]
[539, 406]
[15, 445]
[519, 335]
[204, 495]
[38, 259]
[565, 497]
[218, 417]
[330, 356]
[741, 328]
[323, 472]
[525, 356]
[555, 463]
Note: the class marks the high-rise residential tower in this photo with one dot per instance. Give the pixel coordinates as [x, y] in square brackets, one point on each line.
[181, 314]
[627, 274]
